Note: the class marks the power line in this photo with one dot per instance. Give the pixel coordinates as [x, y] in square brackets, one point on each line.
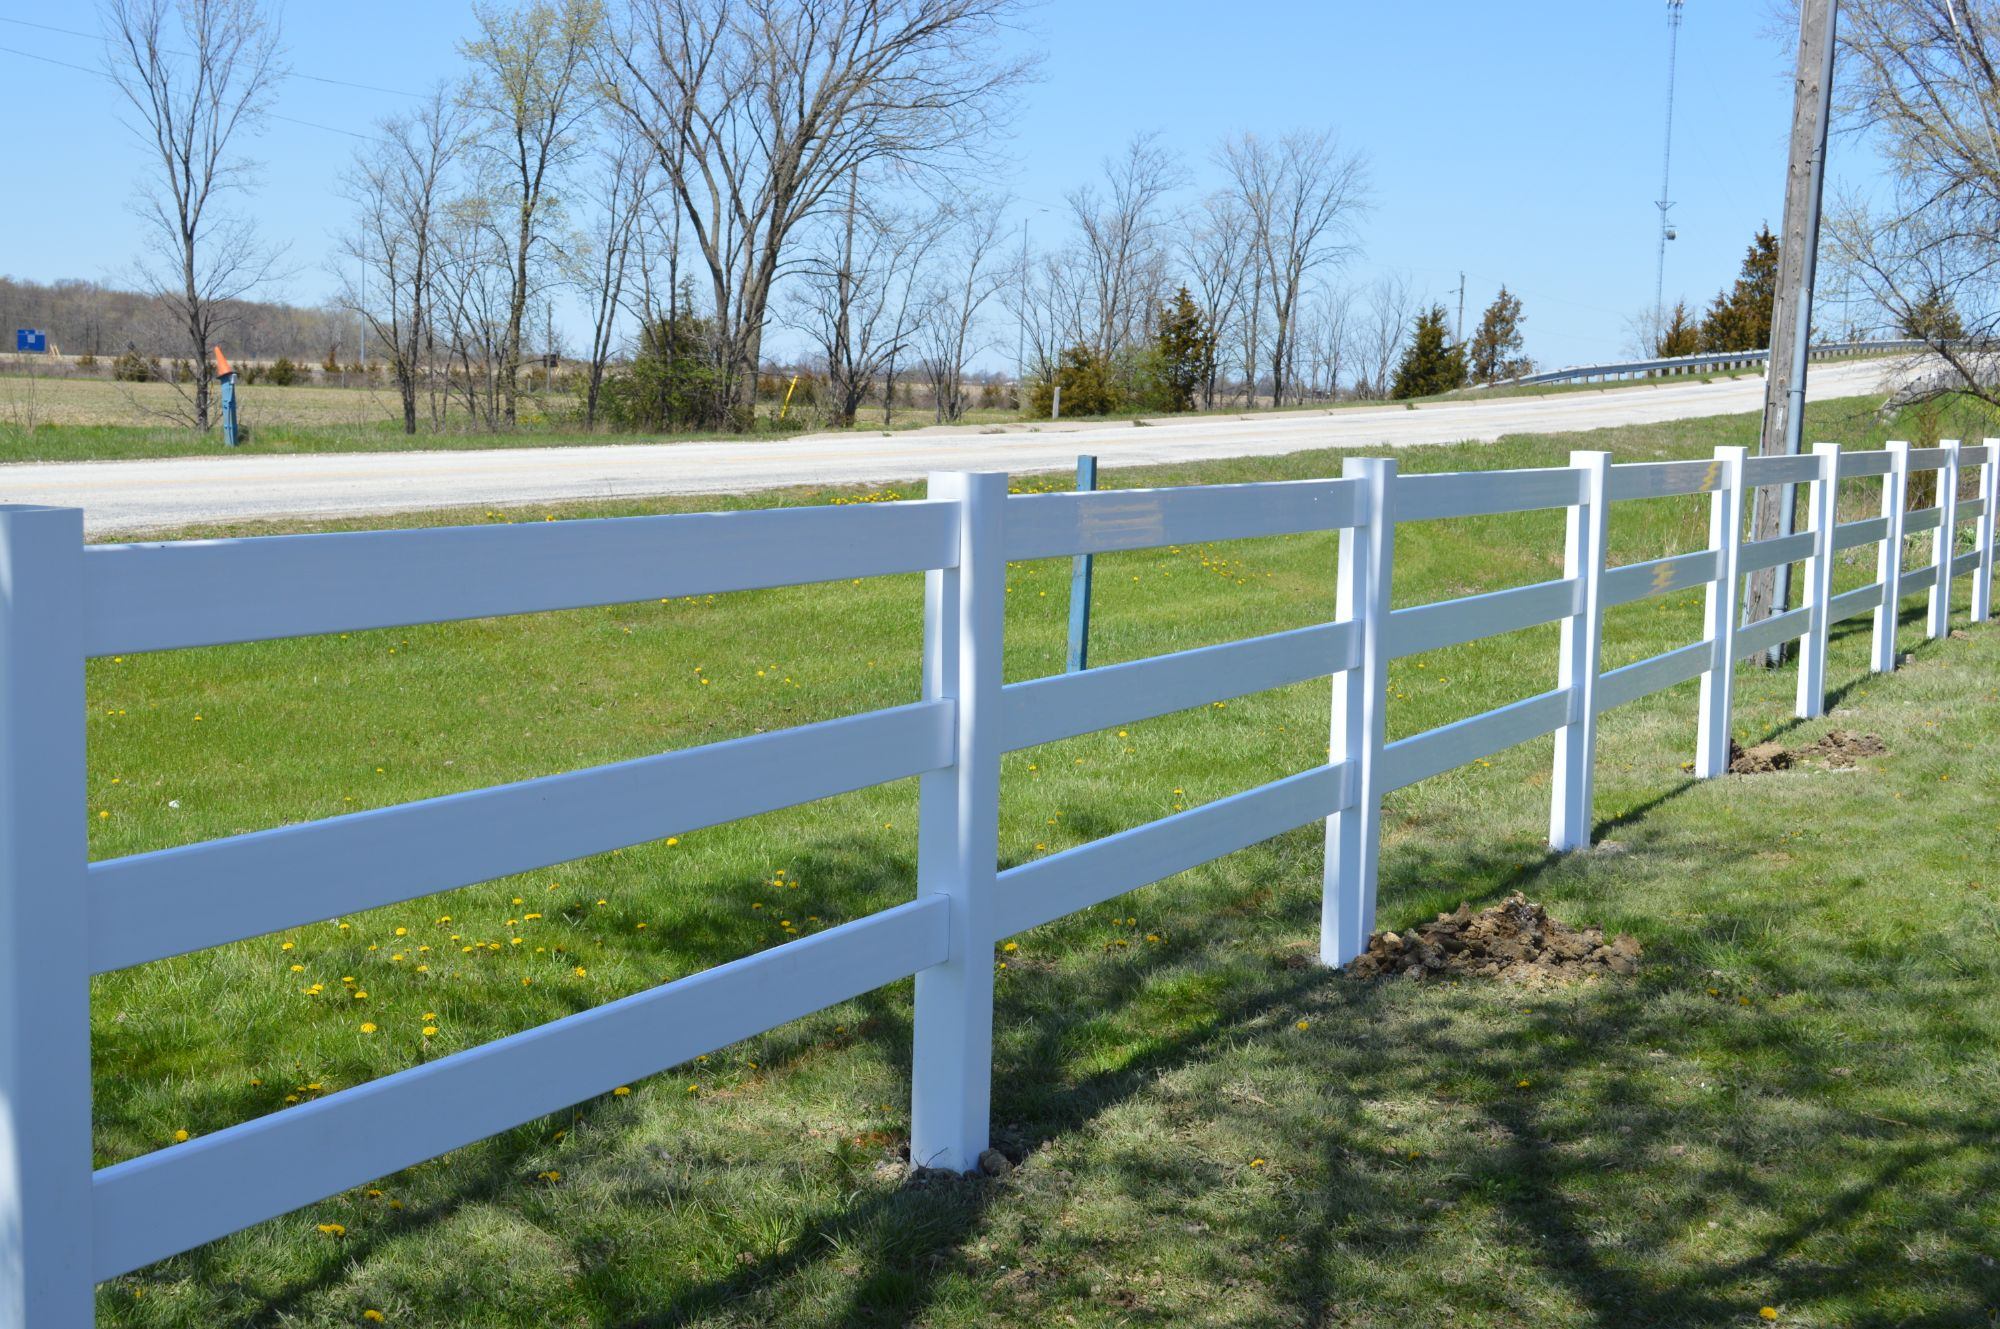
[98, 73]
[315, 78]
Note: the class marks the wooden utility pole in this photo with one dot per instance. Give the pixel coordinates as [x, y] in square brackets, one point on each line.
[1791, 319]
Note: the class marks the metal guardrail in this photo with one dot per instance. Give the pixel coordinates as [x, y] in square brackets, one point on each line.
[1694, 364]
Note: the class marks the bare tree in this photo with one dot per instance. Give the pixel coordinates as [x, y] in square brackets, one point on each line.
[972, 271]
[761, 109]
[196, 74]
[1384, 323]
[1122, 239]
[1304, 195]
[859, 291]
[1922, 78]
[531, 84]
[625, 185]
[1215, 253]
[1324, 335]
[398, 185]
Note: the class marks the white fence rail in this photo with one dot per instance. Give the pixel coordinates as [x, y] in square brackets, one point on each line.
[64, 1226]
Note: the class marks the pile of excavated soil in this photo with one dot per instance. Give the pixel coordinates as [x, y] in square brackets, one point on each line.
[1839, 750]
[1515, 941]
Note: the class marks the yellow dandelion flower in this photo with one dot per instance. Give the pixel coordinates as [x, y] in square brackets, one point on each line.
[1011, 946]
[581, 971]
[1305, 1024]
[373, 1316]
[621, 1091]
[181, 1136]
[429, 1030]
[332, 1229]
[368, 1027]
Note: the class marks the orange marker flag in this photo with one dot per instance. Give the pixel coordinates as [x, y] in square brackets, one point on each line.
[221, 361]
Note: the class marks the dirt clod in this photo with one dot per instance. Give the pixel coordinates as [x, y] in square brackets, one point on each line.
[1515, 941]
[1839, 750]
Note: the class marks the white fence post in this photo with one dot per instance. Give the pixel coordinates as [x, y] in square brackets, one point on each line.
[1582, 655]
[1946, 540]
[958, 832]
[1989, 493]
[1720, 614]
[1824, 515]
[45, 1148]
[1360, 703]
[1889, 564]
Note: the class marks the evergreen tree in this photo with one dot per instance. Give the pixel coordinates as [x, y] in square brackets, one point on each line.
[1680, 336]
[1495, 348]
[1186, 350]
[1740, 318]
[1429, 366]
[1932, 318]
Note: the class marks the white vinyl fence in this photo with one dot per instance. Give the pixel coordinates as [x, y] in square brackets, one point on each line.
[63, 918]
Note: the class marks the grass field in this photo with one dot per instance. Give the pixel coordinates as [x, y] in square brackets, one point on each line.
[1792, 1107]
[78, 419]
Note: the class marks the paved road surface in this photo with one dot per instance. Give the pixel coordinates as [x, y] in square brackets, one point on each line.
[131, 496]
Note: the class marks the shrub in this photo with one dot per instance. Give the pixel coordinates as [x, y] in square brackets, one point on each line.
[132, 368]
[1088, 387]
[283, 373]
[673, 382]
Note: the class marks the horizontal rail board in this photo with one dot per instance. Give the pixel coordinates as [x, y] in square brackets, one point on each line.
[1044, 710]
[1965, 563]
[1780, 470]
[1421, 756]
[1048, 888]
[1969, 508]
[1872, 531]
[1978, 456]
[1766, 633]
[1660, 576]
[1454, 622]
[1917, 579]
[1664, 479]
[1756, 555]
[1929, 459]
[1923, 519]
[148, 906]
[1856, 464]
[1633, 681]
[1105, 520]
[1483, 493]
[1857, 601]
[183, 1195]
[163, 596]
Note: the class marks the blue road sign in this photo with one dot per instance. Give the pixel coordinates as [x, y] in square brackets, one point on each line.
[30, 339]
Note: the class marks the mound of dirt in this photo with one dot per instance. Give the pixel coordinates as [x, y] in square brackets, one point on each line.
[1839, 750]
[1515, 941]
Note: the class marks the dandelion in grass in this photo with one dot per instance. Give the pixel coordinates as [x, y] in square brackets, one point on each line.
[332, 1229]
[368, 1027]
[373, 1316]
[1768, 1313]
[1303, 1025]
[181, 1136]
[621, 1091]
[1256, 1162]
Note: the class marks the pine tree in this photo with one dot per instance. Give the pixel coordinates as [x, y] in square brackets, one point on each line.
[1186, 348]
[1495, 349]
[1680, 336]
[1740, 318]
[1429, 366]
[1932, 318]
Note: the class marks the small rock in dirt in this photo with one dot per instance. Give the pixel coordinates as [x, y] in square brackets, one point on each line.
[1515, 941]
[995, 1164]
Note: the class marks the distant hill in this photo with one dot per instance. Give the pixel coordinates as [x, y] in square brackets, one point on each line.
[88, 318]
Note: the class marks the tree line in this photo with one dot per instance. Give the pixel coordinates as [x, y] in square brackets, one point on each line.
[696, 175]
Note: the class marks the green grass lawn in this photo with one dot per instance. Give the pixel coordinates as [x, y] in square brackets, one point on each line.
[1792, 1106]
[84, 419]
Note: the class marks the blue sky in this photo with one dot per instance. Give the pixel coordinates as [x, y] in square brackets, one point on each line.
[1520, 143]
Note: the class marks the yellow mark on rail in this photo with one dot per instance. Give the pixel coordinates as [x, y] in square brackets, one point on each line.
[1663, 578]
[1711, 476]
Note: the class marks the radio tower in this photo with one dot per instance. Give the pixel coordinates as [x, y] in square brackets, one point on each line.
[1667, 162]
